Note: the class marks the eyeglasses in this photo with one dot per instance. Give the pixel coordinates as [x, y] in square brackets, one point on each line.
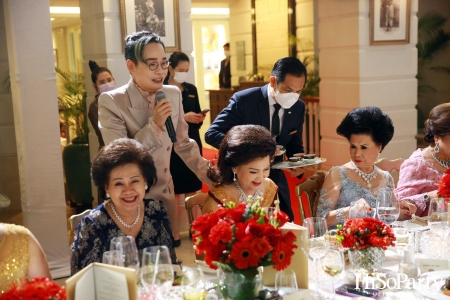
[154, 65]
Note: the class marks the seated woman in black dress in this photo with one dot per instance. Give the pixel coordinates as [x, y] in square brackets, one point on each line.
[123, 171]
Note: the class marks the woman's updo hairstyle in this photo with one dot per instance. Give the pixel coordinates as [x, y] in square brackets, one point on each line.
[367, 120]
[241, 145]
[438, 123]
[96, 70]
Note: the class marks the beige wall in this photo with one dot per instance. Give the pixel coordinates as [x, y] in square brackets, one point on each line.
[271, 31]
[355, 73]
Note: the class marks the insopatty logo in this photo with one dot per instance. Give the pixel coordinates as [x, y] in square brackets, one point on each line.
[400, 281]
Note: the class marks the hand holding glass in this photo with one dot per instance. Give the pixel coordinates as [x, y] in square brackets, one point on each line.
[157, 271]
[360, 209]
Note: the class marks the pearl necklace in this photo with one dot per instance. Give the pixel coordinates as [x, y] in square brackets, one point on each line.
[367, 177]
[242, 196]
[120, 219]
[445, 164]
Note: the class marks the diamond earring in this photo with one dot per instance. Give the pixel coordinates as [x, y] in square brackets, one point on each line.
[146, 187]
[107, 195]
[234, 176]
[436, 148]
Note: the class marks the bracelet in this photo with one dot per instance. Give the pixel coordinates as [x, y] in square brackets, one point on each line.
[340, 217]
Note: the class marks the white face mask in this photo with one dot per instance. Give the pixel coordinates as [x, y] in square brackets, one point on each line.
[286, 100]
[227, 53]
[180, 77]
[106, 87]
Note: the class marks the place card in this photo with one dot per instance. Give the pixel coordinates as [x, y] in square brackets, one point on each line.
[430, 265]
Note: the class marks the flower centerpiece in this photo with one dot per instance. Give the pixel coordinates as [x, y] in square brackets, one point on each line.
[239, 238]
[366, 239]
[37, 288]
[443, 191]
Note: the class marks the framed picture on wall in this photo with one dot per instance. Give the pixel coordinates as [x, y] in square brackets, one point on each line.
[160, 16]
[389, 22]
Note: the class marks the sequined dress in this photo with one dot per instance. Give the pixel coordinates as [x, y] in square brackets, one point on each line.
[346, 190]
[14, 255]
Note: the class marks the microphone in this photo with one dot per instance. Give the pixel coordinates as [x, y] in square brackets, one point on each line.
[169, 125]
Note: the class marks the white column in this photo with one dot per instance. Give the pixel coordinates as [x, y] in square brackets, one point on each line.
[33, 83]
[354, 73]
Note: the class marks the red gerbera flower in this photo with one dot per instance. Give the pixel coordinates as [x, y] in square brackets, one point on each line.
[221, 232]
[281, 256]
[242, 255]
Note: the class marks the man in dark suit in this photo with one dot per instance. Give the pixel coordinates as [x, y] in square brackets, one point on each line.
[275, 106]
[225, 72]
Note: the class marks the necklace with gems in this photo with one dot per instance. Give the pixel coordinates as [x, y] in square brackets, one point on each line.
[242, 196]
[120, 219]
[367, 177]
[445, 164]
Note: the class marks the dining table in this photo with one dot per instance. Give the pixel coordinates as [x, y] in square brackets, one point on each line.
[389, 271]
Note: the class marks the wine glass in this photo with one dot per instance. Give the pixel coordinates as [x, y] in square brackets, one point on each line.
[333, 263]
[317, 247]
[388, 209]
[112, 258]
[437, 217]
[286, 282]
[157, 271]
[127, 247]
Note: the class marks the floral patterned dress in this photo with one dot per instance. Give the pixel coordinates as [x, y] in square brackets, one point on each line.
[340, 189]
[95, 231]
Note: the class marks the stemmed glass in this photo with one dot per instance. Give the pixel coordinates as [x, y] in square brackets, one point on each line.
[437, 217]
[388, 209]
[127, 247]
[333, 263]
[157, 271]
[112, 258]
[317, 247]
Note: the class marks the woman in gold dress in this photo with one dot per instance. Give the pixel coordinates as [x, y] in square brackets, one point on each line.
[21, 256]
[243, 168]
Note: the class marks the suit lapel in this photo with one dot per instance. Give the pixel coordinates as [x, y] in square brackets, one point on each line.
[138, 107]
[263, 108]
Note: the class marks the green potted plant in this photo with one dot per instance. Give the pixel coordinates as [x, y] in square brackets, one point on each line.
[432, 39]
[76, 162]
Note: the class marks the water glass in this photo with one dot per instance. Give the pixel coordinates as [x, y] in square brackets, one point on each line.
[286, 282]
[127, 247]
[333, 264]
[157, 271]
[388, 208]
[112, 258]
[317, 247]
[437, 217]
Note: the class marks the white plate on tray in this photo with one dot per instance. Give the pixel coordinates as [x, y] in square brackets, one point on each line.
[432, 289]
[289, 165]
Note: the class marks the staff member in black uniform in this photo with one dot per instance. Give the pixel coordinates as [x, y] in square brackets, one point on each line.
[184, 180]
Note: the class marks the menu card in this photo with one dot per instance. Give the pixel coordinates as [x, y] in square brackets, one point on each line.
[299, 261]
[101, 281]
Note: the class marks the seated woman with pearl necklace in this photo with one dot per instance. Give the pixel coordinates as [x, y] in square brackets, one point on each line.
[368, 130]
[123, 171]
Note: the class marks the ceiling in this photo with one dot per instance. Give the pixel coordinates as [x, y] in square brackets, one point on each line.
[68, 20]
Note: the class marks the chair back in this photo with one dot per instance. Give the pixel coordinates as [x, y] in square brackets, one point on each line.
[391, 166]
[311, 189]
[4, 200]
[199, 200]
[74, 220]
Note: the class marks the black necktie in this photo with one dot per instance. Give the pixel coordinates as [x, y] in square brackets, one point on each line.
[276, 120]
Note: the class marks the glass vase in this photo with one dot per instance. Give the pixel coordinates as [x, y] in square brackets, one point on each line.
[369, 259]
[240, 284]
